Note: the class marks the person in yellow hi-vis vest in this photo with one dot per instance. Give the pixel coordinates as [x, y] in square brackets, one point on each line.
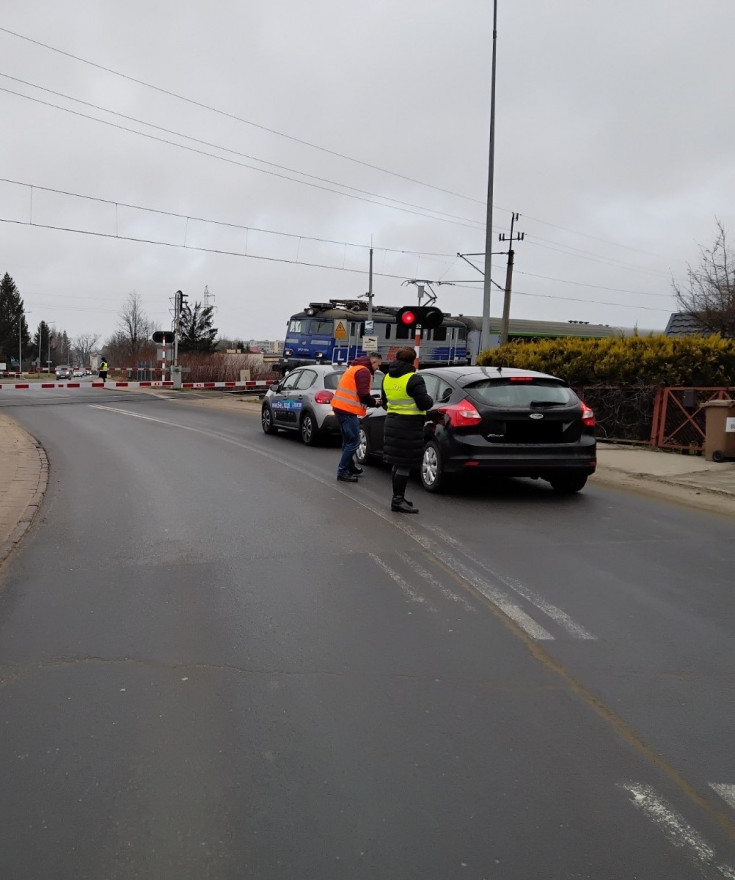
[104, 366]
[406, 401]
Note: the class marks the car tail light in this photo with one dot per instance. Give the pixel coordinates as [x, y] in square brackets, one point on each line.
[462, 414]
[521, 378]
[323, 396]
[588, 417]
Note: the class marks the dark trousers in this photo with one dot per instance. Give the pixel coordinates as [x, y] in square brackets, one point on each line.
[349, 425]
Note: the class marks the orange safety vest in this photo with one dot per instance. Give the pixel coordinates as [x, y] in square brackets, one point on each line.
[345, 397]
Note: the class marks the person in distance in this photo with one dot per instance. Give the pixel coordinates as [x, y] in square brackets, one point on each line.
[406, 401]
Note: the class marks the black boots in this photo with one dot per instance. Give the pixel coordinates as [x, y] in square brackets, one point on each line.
[399, 504]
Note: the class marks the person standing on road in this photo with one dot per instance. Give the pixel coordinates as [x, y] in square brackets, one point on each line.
[406, 401]
[104, 366]
[350, 403]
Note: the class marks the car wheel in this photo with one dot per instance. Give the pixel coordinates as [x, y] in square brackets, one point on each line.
[363, 451]
[266, 420]
[310, 433]
[433, 478]
[568, 484]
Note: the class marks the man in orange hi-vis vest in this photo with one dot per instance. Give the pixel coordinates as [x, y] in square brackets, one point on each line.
[349, 403]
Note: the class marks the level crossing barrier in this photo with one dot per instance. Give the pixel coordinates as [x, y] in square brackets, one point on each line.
[249, 385]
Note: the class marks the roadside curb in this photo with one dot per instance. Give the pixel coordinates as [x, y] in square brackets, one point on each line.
[32, 508]
[693, 495]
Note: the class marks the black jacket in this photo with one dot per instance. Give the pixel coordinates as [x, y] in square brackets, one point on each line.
[403, 442]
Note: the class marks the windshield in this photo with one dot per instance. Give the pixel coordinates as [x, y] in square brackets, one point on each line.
[509, 392]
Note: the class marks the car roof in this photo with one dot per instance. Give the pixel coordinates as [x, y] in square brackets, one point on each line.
[320, 368]
[469, 374]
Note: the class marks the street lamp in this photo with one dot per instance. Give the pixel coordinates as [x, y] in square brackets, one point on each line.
[485, 327]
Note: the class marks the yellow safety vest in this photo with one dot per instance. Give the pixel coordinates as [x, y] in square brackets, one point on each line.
[399, 401]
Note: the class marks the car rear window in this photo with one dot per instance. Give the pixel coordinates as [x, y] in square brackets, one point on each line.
[509, 392]
[331, 380]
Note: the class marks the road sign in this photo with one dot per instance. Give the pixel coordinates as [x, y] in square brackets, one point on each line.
[369, 326]
[369, 343]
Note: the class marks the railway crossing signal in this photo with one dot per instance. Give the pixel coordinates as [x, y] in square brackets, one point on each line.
[425, 316]
[163, 336]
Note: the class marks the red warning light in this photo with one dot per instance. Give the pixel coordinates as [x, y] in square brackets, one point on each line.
[407, 317]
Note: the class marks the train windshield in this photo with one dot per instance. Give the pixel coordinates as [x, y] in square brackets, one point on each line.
[311, 326]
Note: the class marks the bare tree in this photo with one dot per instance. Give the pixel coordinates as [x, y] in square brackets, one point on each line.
[83, 346]
[709, 293]
[134, 324]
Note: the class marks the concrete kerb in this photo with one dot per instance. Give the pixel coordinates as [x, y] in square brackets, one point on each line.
[24, 471]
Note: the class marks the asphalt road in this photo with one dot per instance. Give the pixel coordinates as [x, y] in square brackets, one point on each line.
[218, 662]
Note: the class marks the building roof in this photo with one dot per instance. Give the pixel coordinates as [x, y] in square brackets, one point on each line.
[684, 324]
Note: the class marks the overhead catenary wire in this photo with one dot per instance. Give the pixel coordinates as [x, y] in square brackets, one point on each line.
[305, 237]
[262, 257]
[428, 213]
[232, 116]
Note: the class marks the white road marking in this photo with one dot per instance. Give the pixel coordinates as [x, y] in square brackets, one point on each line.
[492, 593]
[726, 791]
[402, 583]
[435, 582]
[679, 832]
[486, 589]
[556, 614]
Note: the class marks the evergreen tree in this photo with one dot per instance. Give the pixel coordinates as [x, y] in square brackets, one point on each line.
[197, 332]
[42, 344]
[14, 335]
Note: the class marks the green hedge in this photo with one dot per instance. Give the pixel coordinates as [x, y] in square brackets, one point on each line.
[635, 360]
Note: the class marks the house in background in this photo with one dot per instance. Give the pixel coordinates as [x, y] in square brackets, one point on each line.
[685, 324]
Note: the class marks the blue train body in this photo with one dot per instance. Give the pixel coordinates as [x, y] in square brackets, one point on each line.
[335, 332]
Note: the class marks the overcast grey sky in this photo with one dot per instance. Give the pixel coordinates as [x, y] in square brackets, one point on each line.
[277, 140]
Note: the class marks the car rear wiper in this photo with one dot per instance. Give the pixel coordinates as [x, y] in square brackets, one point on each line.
[542, 403]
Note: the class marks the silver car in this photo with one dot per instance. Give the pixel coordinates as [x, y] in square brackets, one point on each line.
[302, 401]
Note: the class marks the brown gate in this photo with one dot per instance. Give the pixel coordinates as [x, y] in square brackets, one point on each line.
[678, 417]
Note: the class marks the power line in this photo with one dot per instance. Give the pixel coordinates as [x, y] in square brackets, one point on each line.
[421, 212]
[233, 116]
[227, 224]
[595, 258]
[297, 140]
[302, 237]
[293, 262]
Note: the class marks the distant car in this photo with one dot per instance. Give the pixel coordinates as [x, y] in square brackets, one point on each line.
[505, 422]
[78, 372]
[63, 372]
[301, 402]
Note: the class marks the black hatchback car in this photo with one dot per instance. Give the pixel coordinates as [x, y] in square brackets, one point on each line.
[503, 421]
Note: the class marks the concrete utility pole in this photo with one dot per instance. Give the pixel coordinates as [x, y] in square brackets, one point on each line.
[370, 289]
[485, 330]
[509, 277]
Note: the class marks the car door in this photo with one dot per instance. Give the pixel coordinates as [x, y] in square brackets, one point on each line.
[301, 395]
[282, 401]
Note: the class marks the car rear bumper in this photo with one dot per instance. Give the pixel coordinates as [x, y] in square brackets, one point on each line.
[330, 425]
[531, 460]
